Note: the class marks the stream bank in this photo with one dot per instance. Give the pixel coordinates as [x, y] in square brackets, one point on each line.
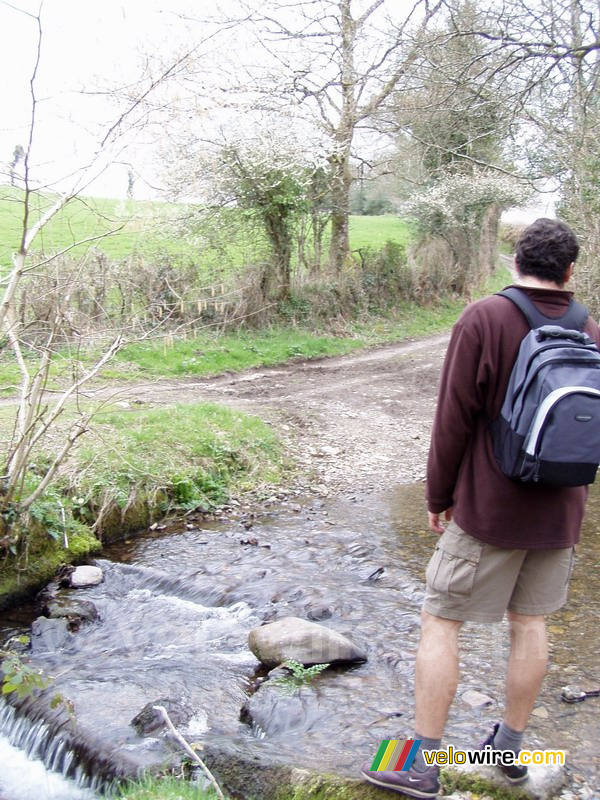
[176, 607]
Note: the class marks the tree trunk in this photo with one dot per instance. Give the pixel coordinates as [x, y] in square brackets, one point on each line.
[341, 182]
[280, 238]
[489, 241]
[341, 177]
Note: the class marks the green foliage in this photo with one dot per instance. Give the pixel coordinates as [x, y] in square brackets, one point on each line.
[299, 675]
[17, 675]
[163, 788]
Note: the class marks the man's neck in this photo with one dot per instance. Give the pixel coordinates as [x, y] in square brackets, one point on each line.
[532, 282]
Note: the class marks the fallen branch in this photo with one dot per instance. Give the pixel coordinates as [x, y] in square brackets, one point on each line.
[192, 753]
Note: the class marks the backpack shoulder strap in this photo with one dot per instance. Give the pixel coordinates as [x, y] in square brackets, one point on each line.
[574, 317]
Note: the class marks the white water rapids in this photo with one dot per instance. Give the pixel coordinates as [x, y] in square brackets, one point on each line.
[24, 778]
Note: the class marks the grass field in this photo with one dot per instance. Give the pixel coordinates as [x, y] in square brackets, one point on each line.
[122, 225]
[125, 226]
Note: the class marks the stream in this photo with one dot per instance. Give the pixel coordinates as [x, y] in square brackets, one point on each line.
[175, 609]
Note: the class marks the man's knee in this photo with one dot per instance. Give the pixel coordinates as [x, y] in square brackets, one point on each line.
[528, 635]
[438, 633]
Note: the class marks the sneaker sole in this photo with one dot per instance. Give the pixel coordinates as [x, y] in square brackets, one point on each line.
[515, 781]
[401, 789]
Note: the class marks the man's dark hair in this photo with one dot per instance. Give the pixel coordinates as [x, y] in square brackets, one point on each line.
[545, 250]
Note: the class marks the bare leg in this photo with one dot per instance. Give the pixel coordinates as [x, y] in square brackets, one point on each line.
[526, 667]
[436, 674]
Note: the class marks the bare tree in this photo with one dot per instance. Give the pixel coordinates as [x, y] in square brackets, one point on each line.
[37, 411]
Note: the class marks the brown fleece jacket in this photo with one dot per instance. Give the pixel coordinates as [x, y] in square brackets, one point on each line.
[462, 471]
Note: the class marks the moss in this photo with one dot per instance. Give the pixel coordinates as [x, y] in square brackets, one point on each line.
[44, 558]
[329, 787]
[454, 781]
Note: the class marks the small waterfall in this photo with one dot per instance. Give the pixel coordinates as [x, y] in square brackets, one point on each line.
[37, 763]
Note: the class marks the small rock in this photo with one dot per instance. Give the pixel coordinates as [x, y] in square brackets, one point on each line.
[74, 610]
[541, 712]
[86, 576]
[273, 712]
[319, 612]
[149, 721]
[475, 699]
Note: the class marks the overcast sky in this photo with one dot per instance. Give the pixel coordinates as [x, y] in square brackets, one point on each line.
[85, 45]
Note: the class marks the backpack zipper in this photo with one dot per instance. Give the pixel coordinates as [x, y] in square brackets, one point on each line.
[545, 409]
[524, 388]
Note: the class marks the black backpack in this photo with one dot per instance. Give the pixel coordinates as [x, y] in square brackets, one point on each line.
[548, 430]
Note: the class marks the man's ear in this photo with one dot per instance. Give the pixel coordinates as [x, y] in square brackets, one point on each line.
[569, 272]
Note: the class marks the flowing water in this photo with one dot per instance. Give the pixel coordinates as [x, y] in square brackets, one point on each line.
[176, 607]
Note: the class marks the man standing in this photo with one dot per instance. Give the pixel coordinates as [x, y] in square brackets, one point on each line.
[508, 547]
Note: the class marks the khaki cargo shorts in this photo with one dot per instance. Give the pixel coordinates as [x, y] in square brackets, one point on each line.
[473, 581]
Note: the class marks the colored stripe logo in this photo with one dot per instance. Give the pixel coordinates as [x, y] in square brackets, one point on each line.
[395, 755]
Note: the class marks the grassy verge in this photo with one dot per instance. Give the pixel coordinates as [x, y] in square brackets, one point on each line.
[212, 354]
[190, 456]
[166, 788]
[137, 465]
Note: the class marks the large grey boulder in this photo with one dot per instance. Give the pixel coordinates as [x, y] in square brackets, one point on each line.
[292, 638]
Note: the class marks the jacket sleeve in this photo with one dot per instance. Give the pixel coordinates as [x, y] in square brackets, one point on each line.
[460, 401]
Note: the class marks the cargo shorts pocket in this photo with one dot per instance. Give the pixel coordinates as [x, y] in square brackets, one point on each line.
[453, 565]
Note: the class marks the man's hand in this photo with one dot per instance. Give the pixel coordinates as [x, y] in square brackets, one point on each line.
[434, 520]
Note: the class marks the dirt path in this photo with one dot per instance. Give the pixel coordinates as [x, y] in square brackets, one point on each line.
[352, 423]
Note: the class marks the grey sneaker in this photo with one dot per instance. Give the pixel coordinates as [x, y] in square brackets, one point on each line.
[411, 782]
[515, 773]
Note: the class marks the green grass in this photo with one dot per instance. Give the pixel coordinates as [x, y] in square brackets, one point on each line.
[374, 232]
[127, 226]
[211, 355]
[167, 788]
[123, 225]
[197, 453]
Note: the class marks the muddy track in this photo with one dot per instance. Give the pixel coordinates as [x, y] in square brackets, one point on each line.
[351, 423]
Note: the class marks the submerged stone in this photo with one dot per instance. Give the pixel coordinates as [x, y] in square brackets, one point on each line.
[292, 638]
[149, 720]
[48, 635]
[274, 711]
